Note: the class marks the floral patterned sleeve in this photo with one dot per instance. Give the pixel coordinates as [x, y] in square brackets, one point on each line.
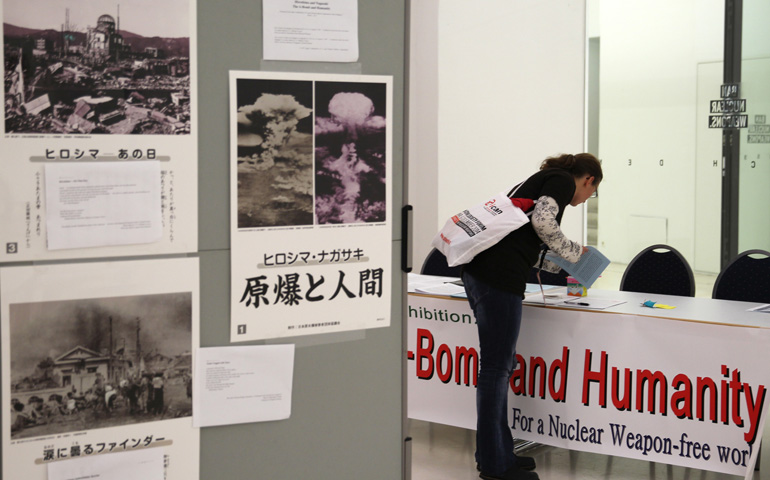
[547, 228]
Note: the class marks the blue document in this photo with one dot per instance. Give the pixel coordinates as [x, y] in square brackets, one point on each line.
[587, 269]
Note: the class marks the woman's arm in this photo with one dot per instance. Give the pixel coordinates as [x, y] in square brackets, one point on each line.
[547, 228]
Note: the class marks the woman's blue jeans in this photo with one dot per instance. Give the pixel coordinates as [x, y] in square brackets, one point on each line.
[498, 318]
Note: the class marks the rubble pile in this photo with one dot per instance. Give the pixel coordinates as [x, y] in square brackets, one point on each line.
[69, 95]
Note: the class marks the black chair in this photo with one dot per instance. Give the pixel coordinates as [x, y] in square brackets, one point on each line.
[745, 278]
[436, 264]
[659, 269]
[549, 278]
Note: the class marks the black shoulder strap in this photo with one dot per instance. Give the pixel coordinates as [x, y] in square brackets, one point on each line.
[514, 189]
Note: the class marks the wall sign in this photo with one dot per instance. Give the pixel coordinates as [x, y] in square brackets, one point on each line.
[729, 109]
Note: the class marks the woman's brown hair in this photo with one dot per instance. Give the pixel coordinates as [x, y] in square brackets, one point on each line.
[577, 165]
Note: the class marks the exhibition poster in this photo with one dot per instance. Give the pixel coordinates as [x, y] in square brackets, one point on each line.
[95, 82]
[311, 203]
[97, 359]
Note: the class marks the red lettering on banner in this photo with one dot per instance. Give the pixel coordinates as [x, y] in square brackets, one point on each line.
[646, 377]
[755, 410]
[701, 385]
[464, 362]
[622, 404]
[723, 398]
[424, 353]
[470, 364]
[537, 364]
[443, 352]
[681, 400]
[736, 387]
[723, 405]
[558, 368]
[600, 377]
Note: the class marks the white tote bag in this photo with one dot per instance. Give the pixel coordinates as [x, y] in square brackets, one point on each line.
[474, 230]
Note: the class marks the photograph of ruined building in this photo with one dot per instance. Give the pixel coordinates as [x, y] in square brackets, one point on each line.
[350, 155]
[86, 70]
[99, 362]
[275, 153]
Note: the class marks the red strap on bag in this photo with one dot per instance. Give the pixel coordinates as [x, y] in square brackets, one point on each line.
[524, 204]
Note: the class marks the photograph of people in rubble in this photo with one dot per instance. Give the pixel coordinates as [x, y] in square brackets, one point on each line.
[350, 152]
[275, 152]
[97, 67]
[99, 362]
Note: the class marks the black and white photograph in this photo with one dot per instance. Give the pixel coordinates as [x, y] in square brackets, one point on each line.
[275, 153]
[350, 143]
[97, 67]
[94, 363]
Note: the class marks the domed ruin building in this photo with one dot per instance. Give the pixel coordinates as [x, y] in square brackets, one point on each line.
[103, 42]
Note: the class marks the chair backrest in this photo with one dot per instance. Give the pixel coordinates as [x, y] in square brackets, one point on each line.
[745, 278]
[436, 264]
[659, 269]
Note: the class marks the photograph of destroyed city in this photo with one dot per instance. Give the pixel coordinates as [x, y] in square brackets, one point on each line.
[96, 67]
[99, 362]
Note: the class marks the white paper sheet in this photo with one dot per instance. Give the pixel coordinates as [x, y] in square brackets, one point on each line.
[310, 30]
[762, 309]
[94, 204]
[146, 464]
[243, 384]
[442, 289]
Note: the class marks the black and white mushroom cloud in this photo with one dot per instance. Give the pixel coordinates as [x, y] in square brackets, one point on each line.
[269, 123]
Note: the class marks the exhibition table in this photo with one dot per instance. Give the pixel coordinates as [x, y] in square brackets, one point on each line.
[684, 386]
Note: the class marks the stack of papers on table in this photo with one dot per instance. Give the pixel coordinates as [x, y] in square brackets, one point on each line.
[564, 300]
[449, 289]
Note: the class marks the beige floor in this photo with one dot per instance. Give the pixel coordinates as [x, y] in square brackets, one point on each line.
[441, 452]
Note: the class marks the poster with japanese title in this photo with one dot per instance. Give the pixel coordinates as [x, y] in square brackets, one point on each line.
[90, 83]
[594, 381]
[97, 359]
[311, 182]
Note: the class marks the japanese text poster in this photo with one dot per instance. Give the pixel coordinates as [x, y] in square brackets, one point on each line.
[310, 203]
[89, 83]
[97, 359]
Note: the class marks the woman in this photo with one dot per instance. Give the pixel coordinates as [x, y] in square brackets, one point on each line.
[495, 281]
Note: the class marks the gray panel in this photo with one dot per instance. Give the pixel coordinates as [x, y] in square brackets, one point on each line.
[347, 411]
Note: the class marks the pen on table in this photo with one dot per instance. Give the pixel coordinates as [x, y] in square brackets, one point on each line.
[582, 304]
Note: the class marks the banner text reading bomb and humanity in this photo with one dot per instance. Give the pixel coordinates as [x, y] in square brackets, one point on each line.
[661, 390]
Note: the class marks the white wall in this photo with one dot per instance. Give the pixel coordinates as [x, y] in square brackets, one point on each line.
[423, 125]
[650, 52]
[510, 89]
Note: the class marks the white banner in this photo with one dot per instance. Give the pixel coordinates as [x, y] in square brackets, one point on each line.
[311, 203]
[668, 391]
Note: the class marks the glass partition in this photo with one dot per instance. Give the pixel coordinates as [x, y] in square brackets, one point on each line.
[658, 68]
[754, 183]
